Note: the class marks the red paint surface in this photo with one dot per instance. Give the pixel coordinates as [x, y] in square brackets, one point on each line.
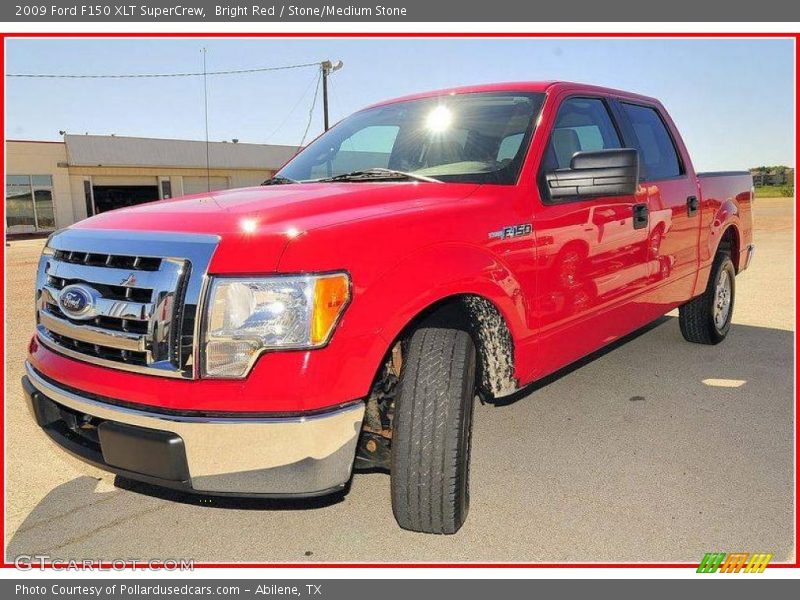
[582, 279]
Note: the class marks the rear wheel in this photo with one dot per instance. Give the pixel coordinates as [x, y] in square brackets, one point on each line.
[707, 318]
[432, 431]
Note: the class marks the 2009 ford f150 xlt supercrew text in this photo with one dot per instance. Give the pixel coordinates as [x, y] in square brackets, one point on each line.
[422, 252]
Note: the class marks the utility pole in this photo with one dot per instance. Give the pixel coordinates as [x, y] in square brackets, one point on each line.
[328, 67]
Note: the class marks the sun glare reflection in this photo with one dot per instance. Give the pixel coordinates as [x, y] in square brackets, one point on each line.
[249, 225]
[439, 119]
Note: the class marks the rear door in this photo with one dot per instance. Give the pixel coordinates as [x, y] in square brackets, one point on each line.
[590, 259]
[670, 191]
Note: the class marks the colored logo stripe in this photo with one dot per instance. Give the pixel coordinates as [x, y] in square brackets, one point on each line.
[735, 562]
[711, 562]
[758, 562]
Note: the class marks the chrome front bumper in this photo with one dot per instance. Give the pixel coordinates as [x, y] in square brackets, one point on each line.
[287, 456]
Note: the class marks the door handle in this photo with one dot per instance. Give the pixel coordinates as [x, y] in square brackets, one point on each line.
[692, 204]
[640, 216]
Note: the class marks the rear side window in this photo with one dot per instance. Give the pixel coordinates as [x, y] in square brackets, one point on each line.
[582, 125]
[657, 154]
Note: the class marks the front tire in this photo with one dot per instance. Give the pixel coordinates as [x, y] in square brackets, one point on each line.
[432, 431]
[707, 318]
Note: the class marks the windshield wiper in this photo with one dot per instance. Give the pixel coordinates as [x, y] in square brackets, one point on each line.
[378, 173]
[279, 180]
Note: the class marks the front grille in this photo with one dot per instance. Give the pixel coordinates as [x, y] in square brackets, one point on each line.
[101, 300]
[131, 357]
[112, 323]
[114, 292]
[141, 263]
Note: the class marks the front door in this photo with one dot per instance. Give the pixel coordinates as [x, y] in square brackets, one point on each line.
[591, 253]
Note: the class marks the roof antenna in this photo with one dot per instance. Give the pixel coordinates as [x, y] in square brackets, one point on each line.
[205, 99]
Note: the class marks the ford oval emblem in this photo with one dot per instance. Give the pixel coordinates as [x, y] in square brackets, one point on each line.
[76, 301]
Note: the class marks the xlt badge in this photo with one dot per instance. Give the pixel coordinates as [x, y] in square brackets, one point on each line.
[511, 231]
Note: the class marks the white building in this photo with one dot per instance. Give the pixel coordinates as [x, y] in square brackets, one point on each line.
[50, 185]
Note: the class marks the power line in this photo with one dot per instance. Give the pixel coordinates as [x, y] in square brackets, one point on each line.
[285, 120]
[322, 65]
[153, 75]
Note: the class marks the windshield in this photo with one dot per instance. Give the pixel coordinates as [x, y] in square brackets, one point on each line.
[469, 138]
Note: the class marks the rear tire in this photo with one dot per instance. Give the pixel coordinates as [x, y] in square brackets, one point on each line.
[707, 318]
[432, 431]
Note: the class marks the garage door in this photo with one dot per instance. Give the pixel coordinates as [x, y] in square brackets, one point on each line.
[112, 180]
[110, 197]
[199, 185]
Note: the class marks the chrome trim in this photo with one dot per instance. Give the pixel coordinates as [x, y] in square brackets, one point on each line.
[109, 275]
[198, 350]
[176, 292]
[162, 368]
[105, 307]
[109, 338]
[264, 455]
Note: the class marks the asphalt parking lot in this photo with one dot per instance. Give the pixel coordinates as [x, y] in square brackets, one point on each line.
[657, 450]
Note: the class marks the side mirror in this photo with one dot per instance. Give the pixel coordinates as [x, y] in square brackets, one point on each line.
[601, 173]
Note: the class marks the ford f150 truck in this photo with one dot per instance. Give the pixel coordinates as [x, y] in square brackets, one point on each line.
[422, 253]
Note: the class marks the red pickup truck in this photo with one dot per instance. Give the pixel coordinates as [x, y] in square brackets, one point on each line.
[421, 253]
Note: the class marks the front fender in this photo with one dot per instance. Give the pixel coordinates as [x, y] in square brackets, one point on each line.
[432, 274]
[396, 295]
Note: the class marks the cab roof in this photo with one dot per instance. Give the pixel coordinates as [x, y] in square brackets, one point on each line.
[521, 86]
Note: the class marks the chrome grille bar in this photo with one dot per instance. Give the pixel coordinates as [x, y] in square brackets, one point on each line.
[105, 307]
[119, 340]
[108, 260]
[138, 310]
[108, 276]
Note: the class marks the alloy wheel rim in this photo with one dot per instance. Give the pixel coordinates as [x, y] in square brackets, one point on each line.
[722, 299]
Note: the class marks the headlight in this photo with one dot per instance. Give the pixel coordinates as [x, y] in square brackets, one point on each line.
[246, 316]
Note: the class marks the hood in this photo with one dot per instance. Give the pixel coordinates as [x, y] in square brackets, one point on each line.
[255, 224]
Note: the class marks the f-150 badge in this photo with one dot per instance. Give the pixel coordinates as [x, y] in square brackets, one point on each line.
[511, 231]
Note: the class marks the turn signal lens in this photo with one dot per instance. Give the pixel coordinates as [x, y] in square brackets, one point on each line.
[331, 295]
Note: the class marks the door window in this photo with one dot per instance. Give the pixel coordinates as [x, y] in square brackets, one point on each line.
[582, 125]
[657, 155]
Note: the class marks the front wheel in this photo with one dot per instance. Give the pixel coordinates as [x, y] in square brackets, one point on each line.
[707, 318]
[432, 430]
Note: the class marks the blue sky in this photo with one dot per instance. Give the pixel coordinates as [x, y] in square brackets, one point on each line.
[732, 99]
